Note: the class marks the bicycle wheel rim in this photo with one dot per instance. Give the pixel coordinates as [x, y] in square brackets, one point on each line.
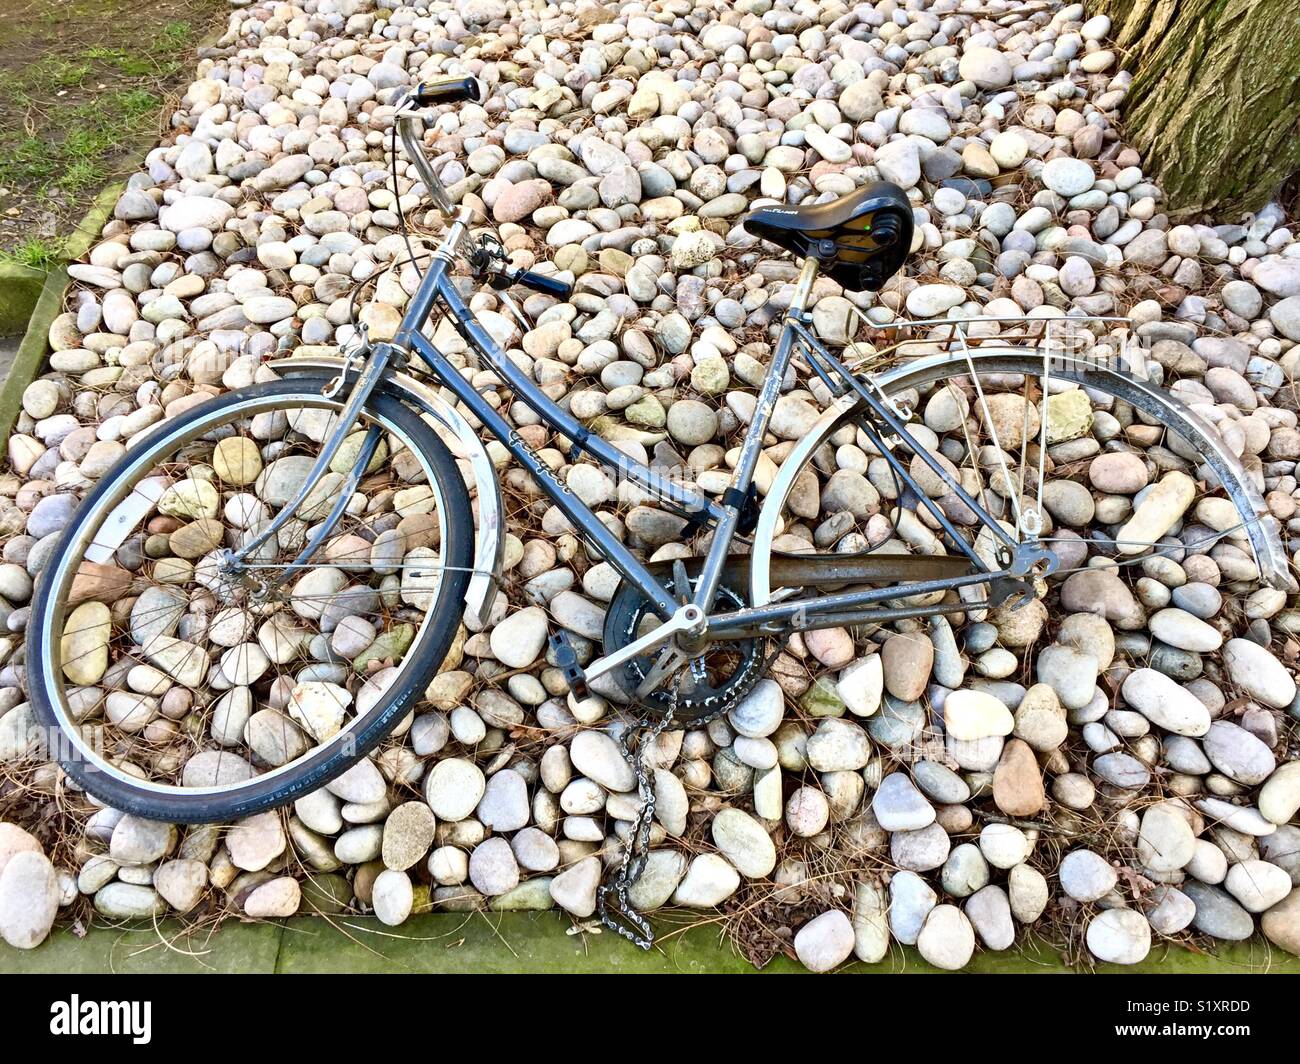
[278, 783]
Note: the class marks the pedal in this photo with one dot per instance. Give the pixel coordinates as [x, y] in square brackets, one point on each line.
[566, 660]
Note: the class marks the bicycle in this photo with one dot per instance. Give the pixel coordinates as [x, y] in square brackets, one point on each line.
[194, 636]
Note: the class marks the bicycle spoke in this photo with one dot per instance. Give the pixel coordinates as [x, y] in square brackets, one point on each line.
[990, 423]
[1044, 424]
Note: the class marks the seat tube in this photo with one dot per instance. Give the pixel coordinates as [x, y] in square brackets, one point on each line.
[752, 446]
[803, 287]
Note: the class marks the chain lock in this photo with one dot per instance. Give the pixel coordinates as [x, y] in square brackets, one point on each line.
[622, 917]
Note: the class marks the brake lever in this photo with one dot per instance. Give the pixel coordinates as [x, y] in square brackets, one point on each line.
[516, 310]
[487, 262]
[486, 252]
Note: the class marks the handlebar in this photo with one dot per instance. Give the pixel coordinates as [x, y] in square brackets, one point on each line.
[410, 128]
[449, 90]
[506, 276]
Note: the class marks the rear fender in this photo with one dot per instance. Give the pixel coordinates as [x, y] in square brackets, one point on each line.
[1260, 527]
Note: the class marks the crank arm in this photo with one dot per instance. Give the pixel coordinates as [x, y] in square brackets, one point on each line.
[670, 659]
[686, 618]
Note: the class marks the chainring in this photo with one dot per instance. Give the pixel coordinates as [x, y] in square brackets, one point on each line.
[707, 687]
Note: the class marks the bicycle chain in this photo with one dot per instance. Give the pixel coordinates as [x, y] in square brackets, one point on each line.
[623, 918]
[636, 928]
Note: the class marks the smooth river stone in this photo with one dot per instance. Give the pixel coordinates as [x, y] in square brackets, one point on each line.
[84, 645]
[1163, 507]
[973, 715]
[1165, 703]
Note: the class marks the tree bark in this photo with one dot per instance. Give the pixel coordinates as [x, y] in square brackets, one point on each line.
[1215, 102]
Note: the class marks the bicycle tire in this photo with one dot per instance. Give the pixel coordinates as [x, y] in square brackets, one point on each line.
[327, 761]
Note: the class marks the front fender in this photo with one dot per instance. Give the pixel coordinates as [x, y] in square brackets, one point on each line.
[465, 445]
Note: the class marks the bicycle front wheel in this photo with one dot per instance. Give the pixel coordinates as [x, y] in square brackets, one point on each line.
[1019, 430]
[189, 690]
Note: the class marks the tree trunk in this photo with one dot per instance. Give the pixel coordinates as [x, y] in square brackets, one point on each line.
[1215, 102]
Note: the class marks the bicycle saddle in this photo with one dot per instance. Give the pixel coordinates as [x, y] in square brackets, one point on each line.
[860, 239]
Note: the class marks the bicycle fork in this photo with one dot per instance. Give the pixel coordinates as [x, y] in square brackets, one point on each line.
[375, 362]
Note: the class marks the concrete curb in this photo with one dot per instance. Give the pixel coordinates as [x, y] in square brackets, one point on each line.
[516, 942]
[46, 306]
[20, 289]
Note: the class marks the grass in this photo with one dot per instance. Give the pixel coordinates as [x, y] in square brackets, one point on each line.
[74, 165]
[37, 253]
[75, 99]
[161, 60]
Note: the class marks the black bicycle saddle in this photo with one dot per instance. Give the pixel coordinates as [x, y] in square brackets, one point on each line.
[860, 239]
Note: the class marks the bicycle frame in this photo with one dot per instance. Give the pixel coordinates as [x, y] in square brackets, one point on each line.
[881, 419]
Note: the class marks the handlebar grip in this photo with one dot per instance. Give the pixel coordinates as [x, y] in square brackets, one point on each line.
[550, 286]
[450, 90]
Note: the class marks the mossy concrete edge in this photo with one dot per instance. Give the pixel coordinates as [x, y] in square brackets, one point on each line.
[459, 943]
[47, 306]
[20, 290]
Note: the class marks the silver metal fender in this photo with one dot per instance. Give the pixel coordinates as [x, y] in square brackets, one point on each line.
[464, 443]
[1259, 525]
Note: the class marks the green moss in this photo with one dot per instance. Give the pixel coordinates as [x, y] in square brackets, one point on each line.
[455, 943]
[392, 644]
[822, 699]
[20, 291]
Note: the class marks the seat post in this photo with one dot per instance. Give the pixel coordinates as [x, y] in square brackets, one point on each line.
[803, 286]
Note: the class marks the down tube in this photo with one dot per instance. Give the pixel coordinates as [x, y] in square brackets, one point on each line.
[579, 515]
